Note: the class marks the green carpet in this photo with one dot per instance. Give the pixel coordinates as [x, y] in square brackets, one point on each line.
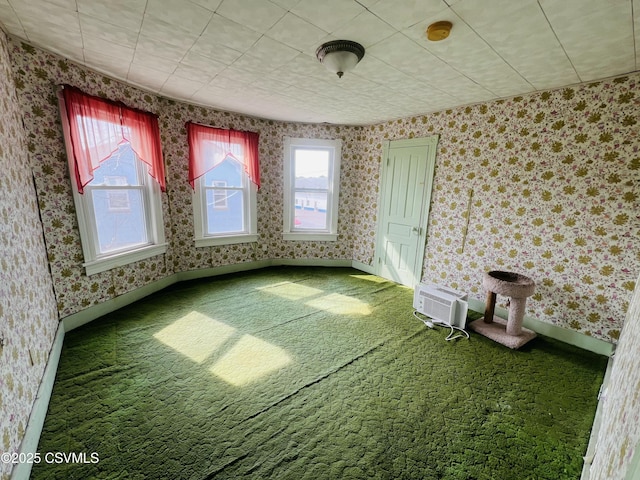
[311, 373]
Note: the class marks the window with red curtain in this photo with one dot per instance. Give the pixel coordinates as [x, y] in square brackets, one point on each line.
[209, 146]
[225, 175]
[97, 128]
[115, 158]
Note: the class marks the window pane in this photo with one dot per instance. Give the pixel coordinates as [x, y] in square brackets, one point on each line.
[119, 169]
[311, 168]
[120, 218]
[225, 211]
[229, 171]
[310, 211]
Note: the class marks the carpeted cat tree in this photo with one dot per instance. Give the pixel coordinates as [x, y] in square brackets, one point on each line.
[518, 287]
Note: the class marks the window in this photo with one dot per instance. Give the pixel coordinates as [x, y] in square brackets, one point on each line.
[311, 187]
[223, 170]
[118, 203]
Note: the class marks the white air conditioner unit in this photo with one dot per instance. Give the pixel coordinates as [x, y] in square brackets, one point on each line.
[442, 304]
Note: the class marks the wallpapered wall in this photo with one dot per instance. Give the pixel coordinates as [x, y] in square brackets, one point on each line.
[550, 185]
[28, 316]
[619, 435]
[36, 74]
[552, 181]
[548, 182]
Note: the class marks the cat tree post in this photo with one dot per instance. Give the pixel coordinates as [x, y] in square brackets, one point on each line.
[517, 287]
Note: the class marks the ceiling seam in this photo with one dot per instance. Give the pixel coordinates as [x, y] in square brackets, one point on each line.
[496, 52]
[559, 42]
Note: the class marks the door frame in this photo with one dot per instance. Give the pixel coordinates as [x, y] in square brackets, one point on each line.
[430, 143]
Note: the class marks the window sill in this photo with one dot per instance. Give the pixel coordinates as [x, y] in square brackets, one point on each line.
[310, 236]
[125, 258]
[229, 240]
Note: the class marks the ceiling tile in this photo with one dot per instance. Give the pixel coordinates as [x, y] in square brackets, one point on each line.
[147, 60]
[182, 16]
[32, 13]
[366, 29]
[259, 16]
[167, 33]
[469, 54]
[195, 60]
[100, 45]
[210, 5]
[94, 27]
[60, 45]
[404, 13]
[286, 4]
[195, 74]
[180, 87]
[151, 46]
[10, 20]
[225, 32]
[117, 66]
[328, 15]
[574, 23]
[296, 32]
[275, 53]
[218, 53]
[122, 13]
[150, 78]
[258, 56]
[504, 23]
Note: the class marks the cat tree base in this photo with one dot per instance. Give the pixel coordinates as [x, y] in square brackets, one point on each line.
[509, 333]
[497, 331]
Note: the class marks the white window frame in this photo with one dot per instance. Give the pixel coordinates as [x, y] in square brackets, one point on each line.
[334, 148]
[202, 239]
[94, 262]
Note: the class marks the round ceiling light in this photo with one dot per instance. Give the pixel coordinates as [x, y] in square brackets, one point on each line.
[340, 56]
[439, 31]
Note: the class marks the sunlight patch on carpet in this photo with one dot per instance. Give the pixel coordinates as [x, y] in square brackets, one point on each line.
[340, 304]
[291, 291]
[195, 335]
[249, 360]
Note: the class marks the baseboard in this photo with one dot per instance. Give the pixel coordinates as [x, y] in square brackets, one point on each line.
[363, 266]
[222, 270]
[311, 262]
[571, 337]
[35, 424]
[89, 314]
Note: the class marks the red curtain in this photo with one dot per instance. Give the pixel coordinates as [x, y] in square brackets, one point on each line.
[98, 127]
[208, 146]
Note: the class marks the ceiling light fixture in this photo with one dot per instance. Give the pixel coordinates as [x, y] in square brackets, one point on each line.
[340, 56]
[439, 31]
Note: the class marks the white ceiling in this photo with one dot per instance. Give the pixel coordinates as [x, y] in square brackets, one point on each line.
[257, 57]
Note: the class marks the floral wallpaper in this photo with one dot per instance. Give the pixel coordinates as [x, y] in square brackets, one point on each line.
[549, 185]
[545, 184]
[36, 75]
[28, 316]
[619, 435]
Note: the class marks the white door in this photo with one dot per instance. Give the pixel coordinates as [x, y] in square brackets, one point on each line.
[407, 177]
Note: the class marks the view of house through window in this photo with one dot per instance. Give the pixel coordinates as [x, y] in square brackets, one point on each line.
[312, 177]
[224, 190]
[311, 189]
[224, 201]
[118, 198]
[115, 160]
